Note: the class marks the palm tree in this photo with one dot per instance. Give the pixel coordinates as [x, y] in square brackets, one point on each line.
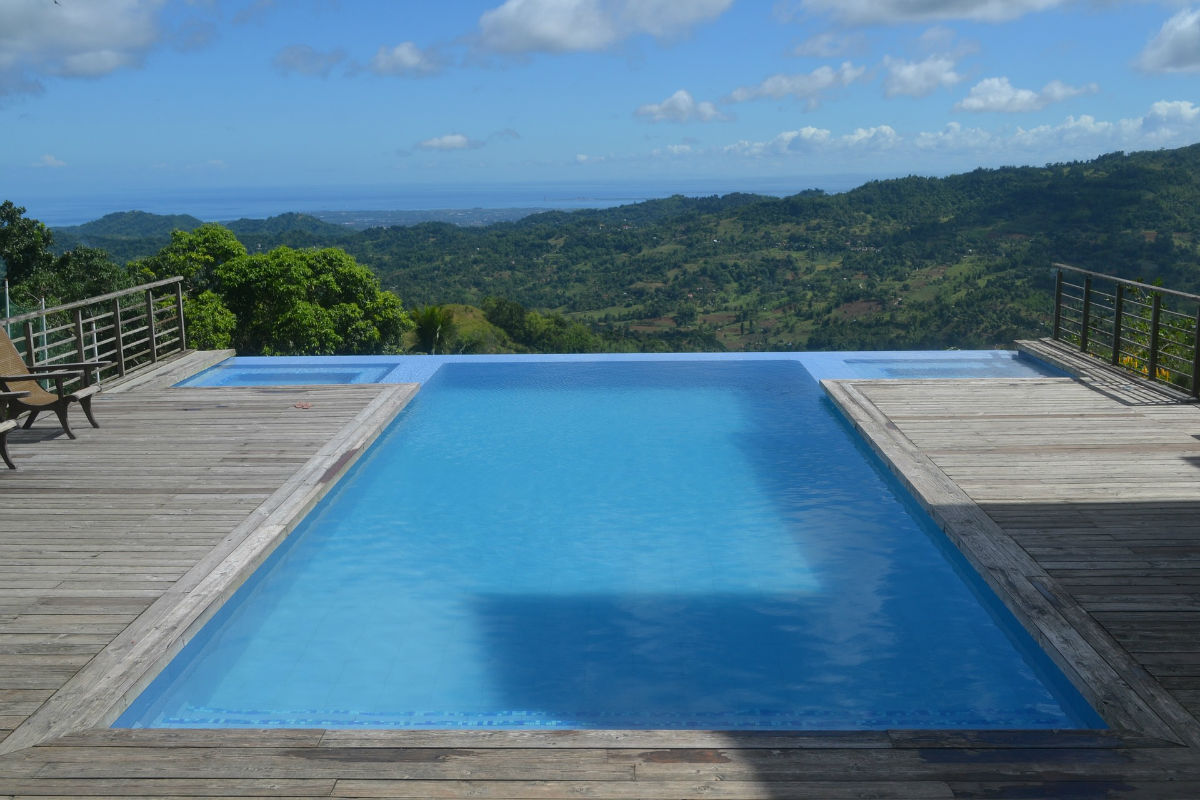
[434, 328]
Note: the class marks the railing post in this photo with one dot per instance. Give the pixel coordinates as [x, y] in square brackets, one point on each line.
[1196, 357]
[1087, 314]
[179, 316]
[79, 348]
[30, 346]
[1118, 310]
[150, 325]
[120, 336]
[1058, 281]
[1155, 310]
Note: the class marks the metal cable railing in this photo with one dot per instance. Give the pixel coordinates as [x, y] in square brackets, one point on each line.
[1149, 330]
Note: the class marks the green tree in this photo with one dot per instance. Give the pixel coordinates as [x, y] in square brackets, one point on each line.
[75, 275]
[196, 255]
[24, 243]
[435, 328]
[309, 302]
[210, 325]
[507, 315]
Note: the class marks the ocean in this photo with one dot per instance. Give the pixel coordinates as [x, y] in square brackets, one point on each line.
[230, 203]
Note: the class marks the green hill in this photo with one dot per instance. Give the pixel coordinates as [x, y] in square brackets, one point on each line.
[961, 261]
[126, 234]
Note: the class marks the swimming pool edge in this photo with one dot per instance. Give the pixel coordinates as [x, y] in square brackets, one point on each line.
[1118, 688]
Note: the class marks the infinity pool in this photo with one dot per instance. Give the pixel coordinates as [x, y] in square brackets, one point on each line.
[615, 544]
[305, 370]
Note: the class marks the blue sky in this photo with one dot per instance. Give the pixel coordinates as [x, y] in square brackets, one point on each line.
[180, 95]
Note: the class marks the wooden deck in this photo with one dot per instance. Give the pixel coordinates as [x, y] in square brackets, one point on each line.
[1081, 506]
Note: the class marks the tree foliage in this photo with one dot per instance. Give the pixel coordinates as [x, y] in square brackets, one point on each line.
[210, 325]
[435, 329]
[35, 273]
[24, 243]
[309, 302]
[196, 255]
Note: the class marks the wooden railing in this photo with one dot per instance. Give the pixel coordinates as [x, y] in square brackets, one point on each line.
[130, 328]
[1152, 331]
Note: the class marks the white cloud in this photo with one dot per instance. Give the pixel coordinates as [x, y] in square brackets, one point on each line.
[1084, 130]
[681, 107]
[584, 158]
[1176, 47]
[450, 141]
[563, 26]
[403, 59]
[804, 86]
[821, 141]
[880, 12]
[918, 79]
[879, 137]
[1170, 121]
[668, 18]
[805, 139]
[1177, 110]
[673, 150]
[1166, 124]
[48, 161]
[73, 40]
[954, 138]
[302, 59]
[997, 94]
[828, 45]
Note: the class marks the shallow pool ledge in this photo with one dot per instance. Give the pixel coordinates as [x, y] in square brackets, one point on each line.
[100, 691]
[1116, 686]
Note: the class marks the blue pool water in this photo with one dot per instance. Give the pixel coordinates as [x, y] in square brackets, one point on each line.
[646, 544]
[304, 370]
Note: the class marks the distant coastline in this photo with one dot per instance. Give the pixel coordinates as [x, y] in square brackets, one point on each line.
[224, 204]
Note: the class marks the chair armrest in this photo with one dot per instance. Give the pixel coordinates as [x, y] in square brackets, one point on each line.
[70, 365]
[76, 365]
[37, 376]
[10, 395]
[85, 369]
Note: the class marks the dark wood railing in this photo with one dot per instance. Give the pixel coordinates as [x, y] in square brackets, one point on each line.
[130, 328]
[1149, 330]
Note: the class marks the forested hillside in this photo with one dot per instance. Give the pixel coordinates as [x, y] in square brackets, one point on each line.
[917, 262]
[962, 261]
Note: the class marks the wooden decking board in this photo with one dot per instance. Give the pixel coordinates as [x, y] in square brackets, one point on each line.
[1095, 487]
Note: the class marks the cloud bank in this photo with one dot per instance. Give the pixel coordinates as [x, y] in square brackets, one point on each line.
[807, 86]
[39, 38]
[1176, 47]
[565, 26]
[885, 12]
[997, 94]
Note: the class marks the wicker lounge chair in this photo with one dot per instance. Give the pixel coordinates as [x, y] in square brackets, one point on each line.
[15, 376]
[7, 425]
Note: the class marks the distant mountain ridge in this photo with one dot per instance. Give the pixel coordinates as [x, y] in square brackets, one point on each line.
[912, 262]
